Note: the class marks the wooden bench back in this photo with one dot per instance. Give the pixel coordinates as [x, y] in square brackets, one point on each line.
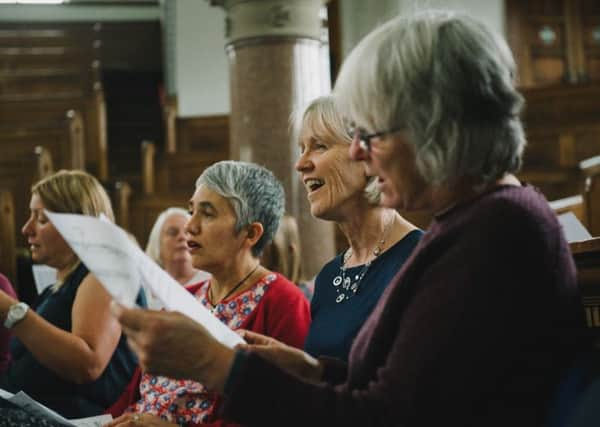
[8, 253]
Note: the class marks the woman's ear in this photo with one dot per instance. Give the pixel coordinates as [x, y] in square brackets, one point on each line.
[254, 233]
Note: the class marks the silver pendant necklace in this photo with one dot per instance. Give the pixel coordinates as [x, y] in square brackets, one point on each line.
[345, 287]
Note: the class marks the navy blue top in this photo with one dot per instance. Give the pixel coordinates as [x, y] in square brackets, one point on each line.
[69, 399]
[334, 325]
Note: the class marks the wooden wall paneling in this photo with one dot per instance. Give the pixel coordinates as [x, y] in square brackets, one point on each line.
[8, 255]
[574, 42]
[209, 133]
[590, 27]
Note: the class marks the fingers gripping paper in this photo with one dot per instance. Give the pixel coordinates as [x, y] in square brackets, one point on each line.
[123, 268]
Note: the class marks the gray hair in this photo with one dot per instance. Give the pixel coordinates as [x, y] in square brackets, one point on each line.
[153, 246]
[323, 119]
[253, 192]
[446, 80]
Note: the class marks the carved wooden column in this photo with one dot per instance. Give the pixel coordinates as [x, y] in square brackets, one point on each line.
[277, 67]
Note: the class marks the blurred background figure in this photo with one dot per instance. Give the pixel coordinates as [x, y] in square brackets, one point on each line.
[284, 255]
[167, 245]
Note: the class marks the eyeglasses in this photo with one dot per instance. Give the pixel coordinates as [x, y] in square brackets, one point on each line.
[364, 138]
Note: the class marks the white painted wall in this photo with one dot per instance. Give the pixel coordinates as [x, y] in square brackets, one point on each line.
[201, 65]
[359, 16]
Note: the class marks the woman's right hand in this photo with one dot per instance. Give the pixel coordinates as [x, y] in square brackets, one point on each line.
[291, 359]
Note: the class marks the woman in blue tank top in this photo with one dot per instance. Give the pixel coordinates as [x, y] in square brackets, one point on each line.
[68, 351]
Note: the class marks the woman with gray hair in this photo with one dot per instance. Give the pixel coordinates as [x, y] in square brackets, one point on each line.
[167, 246]
[235, 212]
[478, 325]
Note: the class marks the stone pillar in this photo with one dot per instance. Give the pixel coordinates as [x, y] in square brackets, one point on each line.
[277, 67]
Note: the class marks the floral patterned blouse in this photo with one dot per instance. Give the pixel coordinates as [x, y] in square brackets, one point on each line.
[186, 401]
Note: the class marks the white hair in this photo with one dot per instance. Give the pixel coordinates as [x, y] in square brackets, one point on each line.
[254, 193]
[153, 246]
[448, 81]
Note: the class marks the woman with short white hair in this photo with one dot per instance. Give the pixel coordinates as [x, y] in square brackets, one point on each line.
[235, 212]
[167, 246]
[481, 321]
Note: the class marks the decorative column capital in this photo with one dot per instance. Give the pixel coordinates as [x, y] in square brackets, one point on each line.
[249, 19]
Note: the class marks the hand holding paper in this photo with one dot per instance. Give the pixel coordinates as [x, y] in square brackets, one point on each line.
[122, 268]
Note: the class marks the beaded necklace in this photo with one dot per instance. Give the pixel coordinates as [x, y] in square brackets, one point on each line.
[231, 291]
[344, 286]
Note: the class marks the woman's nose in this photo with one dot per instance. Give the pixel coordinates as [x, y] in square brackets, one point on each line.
[189, 227]
[26, 230]
[303, 163]
[357, 152]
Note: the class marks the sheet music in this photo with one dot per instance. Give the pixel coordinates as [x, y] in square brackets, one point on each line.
[32, 406]
[122, 267]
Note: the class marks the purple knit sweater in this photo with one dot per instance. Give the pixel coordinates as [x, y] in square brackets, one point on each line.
[475, 330]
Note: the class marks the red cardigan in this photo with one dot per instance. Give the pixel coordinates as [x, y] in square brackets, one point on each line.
[283, 313]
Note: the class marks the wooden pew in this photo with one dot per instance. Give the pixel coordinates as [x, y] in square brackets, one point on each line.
[137, 212]
[17, 175]
[8, 254]
[63, 139]
[574, 204]
[174, 172]
[19, 113]
[587, 259]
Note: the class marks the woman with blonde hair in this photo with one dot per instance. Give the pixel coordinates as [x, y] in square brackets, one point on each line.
[380, 240]
[68, 352]
[284, 255]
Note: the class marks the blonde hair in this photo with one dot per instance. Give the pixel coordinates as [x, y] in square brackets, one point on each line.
[323, 120]
[153, 246]
[283, 254]
[74, 191]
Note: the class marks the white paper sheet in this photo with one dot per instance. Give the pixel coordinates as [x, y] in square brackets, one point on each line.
[32, 406]
[573, 229]
[44, 276]
[122, 267]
